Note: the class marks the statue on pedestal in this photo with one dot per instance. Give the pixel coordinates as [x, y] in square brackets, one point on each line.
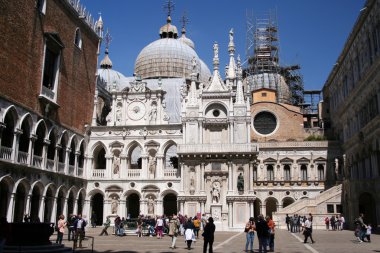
[215, 193]
[150, 205]
[152, 165]
[116, 164]
[114, 205]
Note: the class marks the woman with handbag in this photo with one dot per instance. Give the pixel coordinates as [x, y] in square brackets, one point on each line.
[189, 233]
[173, 230]
[250, 228]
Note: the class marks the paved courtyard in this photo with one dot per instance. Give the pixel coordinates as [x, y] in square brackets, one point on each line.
[229, 242]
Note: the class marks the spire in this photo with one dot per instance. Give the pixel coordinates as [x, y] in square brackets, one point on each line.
[231, 49]
[106, 63]
[193, 100]
[168, 30]
[216, 83]
[99, 26]
[239, 89]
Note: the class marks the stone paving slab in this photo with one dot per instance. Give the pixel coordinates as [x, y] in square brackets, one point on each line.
[231, 242]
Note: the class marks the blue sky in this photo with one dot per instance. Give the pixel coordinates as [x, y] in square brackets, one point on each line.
[312, 33]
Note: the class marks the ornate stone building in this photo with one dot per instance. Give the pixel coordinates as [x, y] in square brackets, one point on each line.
[178, 139]
[352, 98]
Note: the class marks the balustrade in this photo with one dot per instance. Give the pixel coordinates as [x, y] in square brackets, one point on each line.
[37, 161]
[170, 173]
[134, 173]
[22, 157]
[71, 170]
[6, 153]
[50, 165]
[100, 173]
[61, 167]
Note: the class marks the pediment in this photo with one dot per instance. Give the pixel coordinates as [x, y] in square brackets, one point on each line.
[303, 160]
[270, 160]
[286, 160]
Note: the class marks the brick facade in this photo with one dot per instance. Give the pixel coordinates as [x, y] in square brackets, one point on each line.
[22, 56]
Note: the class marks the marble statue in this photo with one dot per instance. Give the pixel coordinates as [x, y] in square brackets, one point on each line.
[116, 164]
[114, 205]
[152, 165]
[150, 205]
[215, 192]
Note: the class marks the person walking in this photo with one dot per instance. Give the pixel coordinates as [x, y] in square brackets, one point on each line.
[197, 226]
[61, 224]
[327, 223]
[271, 226]
[369, 232]
[250, 236]
[173, 230]
[106, 226]
[208, 235]
[189, 233]
[159, 227]
[262, 233]
[93, 219]
[308, 231]
[361, 228]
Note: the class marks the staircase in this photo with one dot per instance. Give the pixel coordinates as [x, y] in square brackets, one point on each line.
[317, 206]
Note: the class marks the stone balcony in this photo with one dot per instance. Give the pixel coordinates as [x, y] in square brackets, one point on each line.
[221, 148]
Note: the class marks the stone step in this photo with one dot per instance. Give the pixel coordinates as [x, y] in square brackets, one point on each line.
[53, 248]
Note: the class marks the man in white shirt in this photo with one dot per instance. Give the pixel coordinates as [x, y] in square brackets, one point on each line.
[308, 231]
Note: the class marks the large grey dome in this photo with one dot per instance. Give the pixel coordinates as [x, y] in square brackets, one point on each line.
[168, 57]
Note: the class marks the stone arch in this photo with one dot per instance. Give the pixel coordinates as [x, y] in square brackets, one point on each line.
[21, 189]
[257, 207]
[26, 126]
[41, 124]
[367, 206]
[286, 201]
[216, 105]
[97, 197]
[60, 196]
[135, 151]
[131, 146]
[52, 135]
[71, 198]
[6, 187]
[169, 202]
[81, 149]
[99, 152]
[169, 150]
[80, 197]
[271, 204]
[10, 119]
[49, 196]
[40, 130]
[36, 191]
[91, 193]
[73, 144]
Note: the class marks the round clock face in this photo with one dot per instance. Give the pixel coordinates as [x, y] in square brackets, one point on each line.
[136, 110]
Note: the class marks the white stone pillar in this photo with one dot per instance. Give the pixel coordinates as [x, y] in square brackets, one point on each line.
[124, 166]
[54, 211]
[251, 209]
[143, 207]
[202, 207]
[230, 177]
[202, 177]
[27, 205]
[231, 132]
[159, 207]
[65, 206]
[89, 166]
[46, 144]
[77, 153]
[250, 177]
[182, 177]
[182, 207]
[144, 167]
[11, 208]
[122, 205]
[76, 207]
[66, 161]
[15, 145]
[109, 171]
[41, 211]
[160, 167]
[86, 209]
[184, 133]
[230, 215]
[200, 131]
[32, 139]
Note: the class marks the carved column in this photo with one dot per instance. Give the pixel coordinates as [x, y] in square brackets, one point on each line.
[45, 147]
[56, 151]
[230, 177]
[124, 166]
[2, 127]
[159, 207]
[250, 177]
[230, 216]
[182, 207]
[231, 132]
[41, 211]
[32, 139]
[75, 210]
[182, 176]
[144, 167]
[11, 207]
[160, 167]
[54, 211]
[143, 206]
[65, 205]
[66, 161]
[15, 145]
[184, 132]
[27, 205]
[202, 207]
[77, 154]
[200, 131]
[251, 209]
[86, 209]
[122, 208]
[202, 177]
[89, 166]
[108, 168]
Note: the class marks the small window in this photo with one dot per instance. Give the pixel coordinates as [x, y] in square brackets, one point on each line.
[264, 94]
[330, 208]
[41, 6]
[339, 208]
[303, 172]
[287, 173]
[270, 173]
[78, 38]
[321, 172]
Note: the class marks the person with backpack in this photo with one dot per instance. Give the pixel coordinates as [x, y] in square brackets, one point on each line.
[79, 225]
[250, 236]
[208, 235]
[262, 229]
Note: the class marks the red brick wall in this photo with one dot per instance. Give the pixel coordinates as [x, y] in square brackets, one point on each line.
[22, 29]
[289, 118]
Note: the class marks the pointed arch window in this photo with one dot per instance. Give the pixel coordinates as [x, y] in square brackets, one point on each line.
[78, 38]
[41, 6]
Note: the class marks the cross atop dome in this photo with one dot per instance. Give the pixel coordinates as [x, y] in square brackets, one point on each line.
[169, 7]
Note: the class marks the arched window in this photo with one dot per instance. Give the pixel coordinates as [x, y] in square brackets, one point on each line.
[78, 38]
[81, 156]
[8, 132]
[171, 158]
[287, 176]
[136, 158]
[321, 172]
[51, 152]
[100, 159]
[303, 172]
[270, 173]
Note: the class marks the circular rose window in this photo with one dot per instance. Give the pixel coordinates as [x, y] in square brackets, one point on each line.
[265, 123]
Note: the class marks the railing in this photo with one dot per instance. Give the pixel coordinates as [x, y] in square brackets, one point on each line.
[293, 144]
[71, 170]
[170, 172]
[22, 157]
[80, 171]
[217, 148]
[134, 173]
[61, 167]
[50, 164]
[37, 161]
[100, 173]
[6, 153]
